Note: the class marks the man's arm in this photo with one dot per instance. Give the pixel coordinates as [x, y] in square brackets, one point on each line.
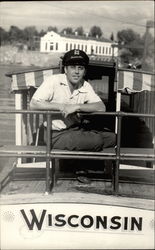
[88, 107]
[67, 109]
[45, 105]
[92, 107]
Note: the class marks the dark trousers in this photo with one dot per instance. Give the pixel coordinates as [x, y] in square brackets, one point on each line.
[82, 139]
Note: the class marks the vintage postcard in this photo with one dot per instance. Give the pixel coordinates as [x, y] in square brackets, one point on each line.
[77, 125]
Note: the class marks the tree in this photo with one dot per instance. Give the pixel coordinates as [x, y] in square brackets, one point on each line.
[42, 33]
[15, 34]
[95, 31]
[30, 32]
[52, 28]
[80, 31]
[130, 45]
[67, 30]
[112, 36]
[127, 36]
[3, 36]
[125, 55]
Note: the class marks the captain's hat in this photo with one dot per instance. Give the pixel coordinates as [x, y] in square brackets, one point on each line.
[75, 57]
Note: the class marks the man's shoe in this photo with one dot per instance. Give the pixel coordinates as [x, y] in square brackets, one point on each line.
[82, 176]
[83, 179]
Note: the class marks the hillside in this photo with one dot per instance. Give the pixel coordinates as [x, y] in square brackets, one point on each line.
[12, 55]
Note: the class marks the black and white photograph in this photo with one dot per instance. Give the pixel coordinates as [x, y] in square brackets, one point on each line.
[77, 125]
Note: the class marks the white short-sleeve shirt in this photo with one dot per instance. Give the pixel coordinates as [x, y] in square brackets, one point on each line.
[56, 89]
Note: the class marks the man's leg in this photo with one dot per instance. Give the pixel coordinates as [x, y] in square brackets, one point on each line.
[81, 140]
[108, 139]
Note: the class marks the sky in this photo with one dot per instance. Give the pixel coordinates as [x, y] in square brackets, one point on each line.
[110, 16]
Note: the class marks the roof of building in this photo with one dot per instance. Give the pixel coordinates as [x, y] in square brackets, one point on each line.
[84, 37]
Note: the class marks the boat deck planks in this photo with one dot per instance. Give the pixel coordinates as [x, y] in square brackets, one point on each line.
[135, 195]
[136, 187]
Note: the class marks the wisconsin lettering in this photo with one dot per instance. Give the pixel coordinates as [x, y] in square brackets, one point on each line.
[47, 220]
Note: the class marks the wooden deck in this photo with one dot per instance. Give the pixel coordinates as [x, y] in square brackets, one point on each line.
[136, 188]
[71, 198]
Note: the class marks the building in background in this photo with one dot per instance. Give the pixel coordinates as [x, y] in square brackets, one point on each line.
[54, 42]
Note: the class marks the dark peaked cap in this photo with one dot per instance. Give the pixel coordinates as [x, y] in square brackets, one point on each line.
[75, 57]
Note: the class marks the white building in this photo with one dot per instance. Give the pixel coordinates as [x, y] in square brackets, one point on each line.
[54, 42]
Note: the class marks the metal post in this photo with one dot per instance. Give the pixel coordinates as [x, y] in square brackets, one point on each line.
[116, 170]
[53, 173]
[18, 122]
[118, 94]
[48, 149]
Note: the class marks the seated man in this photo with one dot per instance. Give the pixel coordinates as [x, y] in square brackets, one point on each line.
[70, 94]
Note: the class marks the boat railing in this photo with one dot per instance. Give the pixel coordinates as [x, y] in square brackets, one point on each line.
[115, 154]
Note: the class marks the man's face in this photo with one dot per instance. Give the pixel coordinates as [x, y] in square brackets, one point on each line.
[75, 74]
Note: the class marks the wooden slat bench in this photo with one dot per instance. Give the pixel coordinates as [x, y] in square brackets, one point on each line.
[145, 154]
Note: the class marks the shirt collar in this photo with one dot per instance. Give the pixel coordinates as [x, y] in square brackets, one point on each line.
[64, 80]
[83, 89]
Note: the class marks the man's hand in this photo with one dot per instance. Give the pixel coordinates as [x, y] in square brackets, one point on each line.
[68, 109]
